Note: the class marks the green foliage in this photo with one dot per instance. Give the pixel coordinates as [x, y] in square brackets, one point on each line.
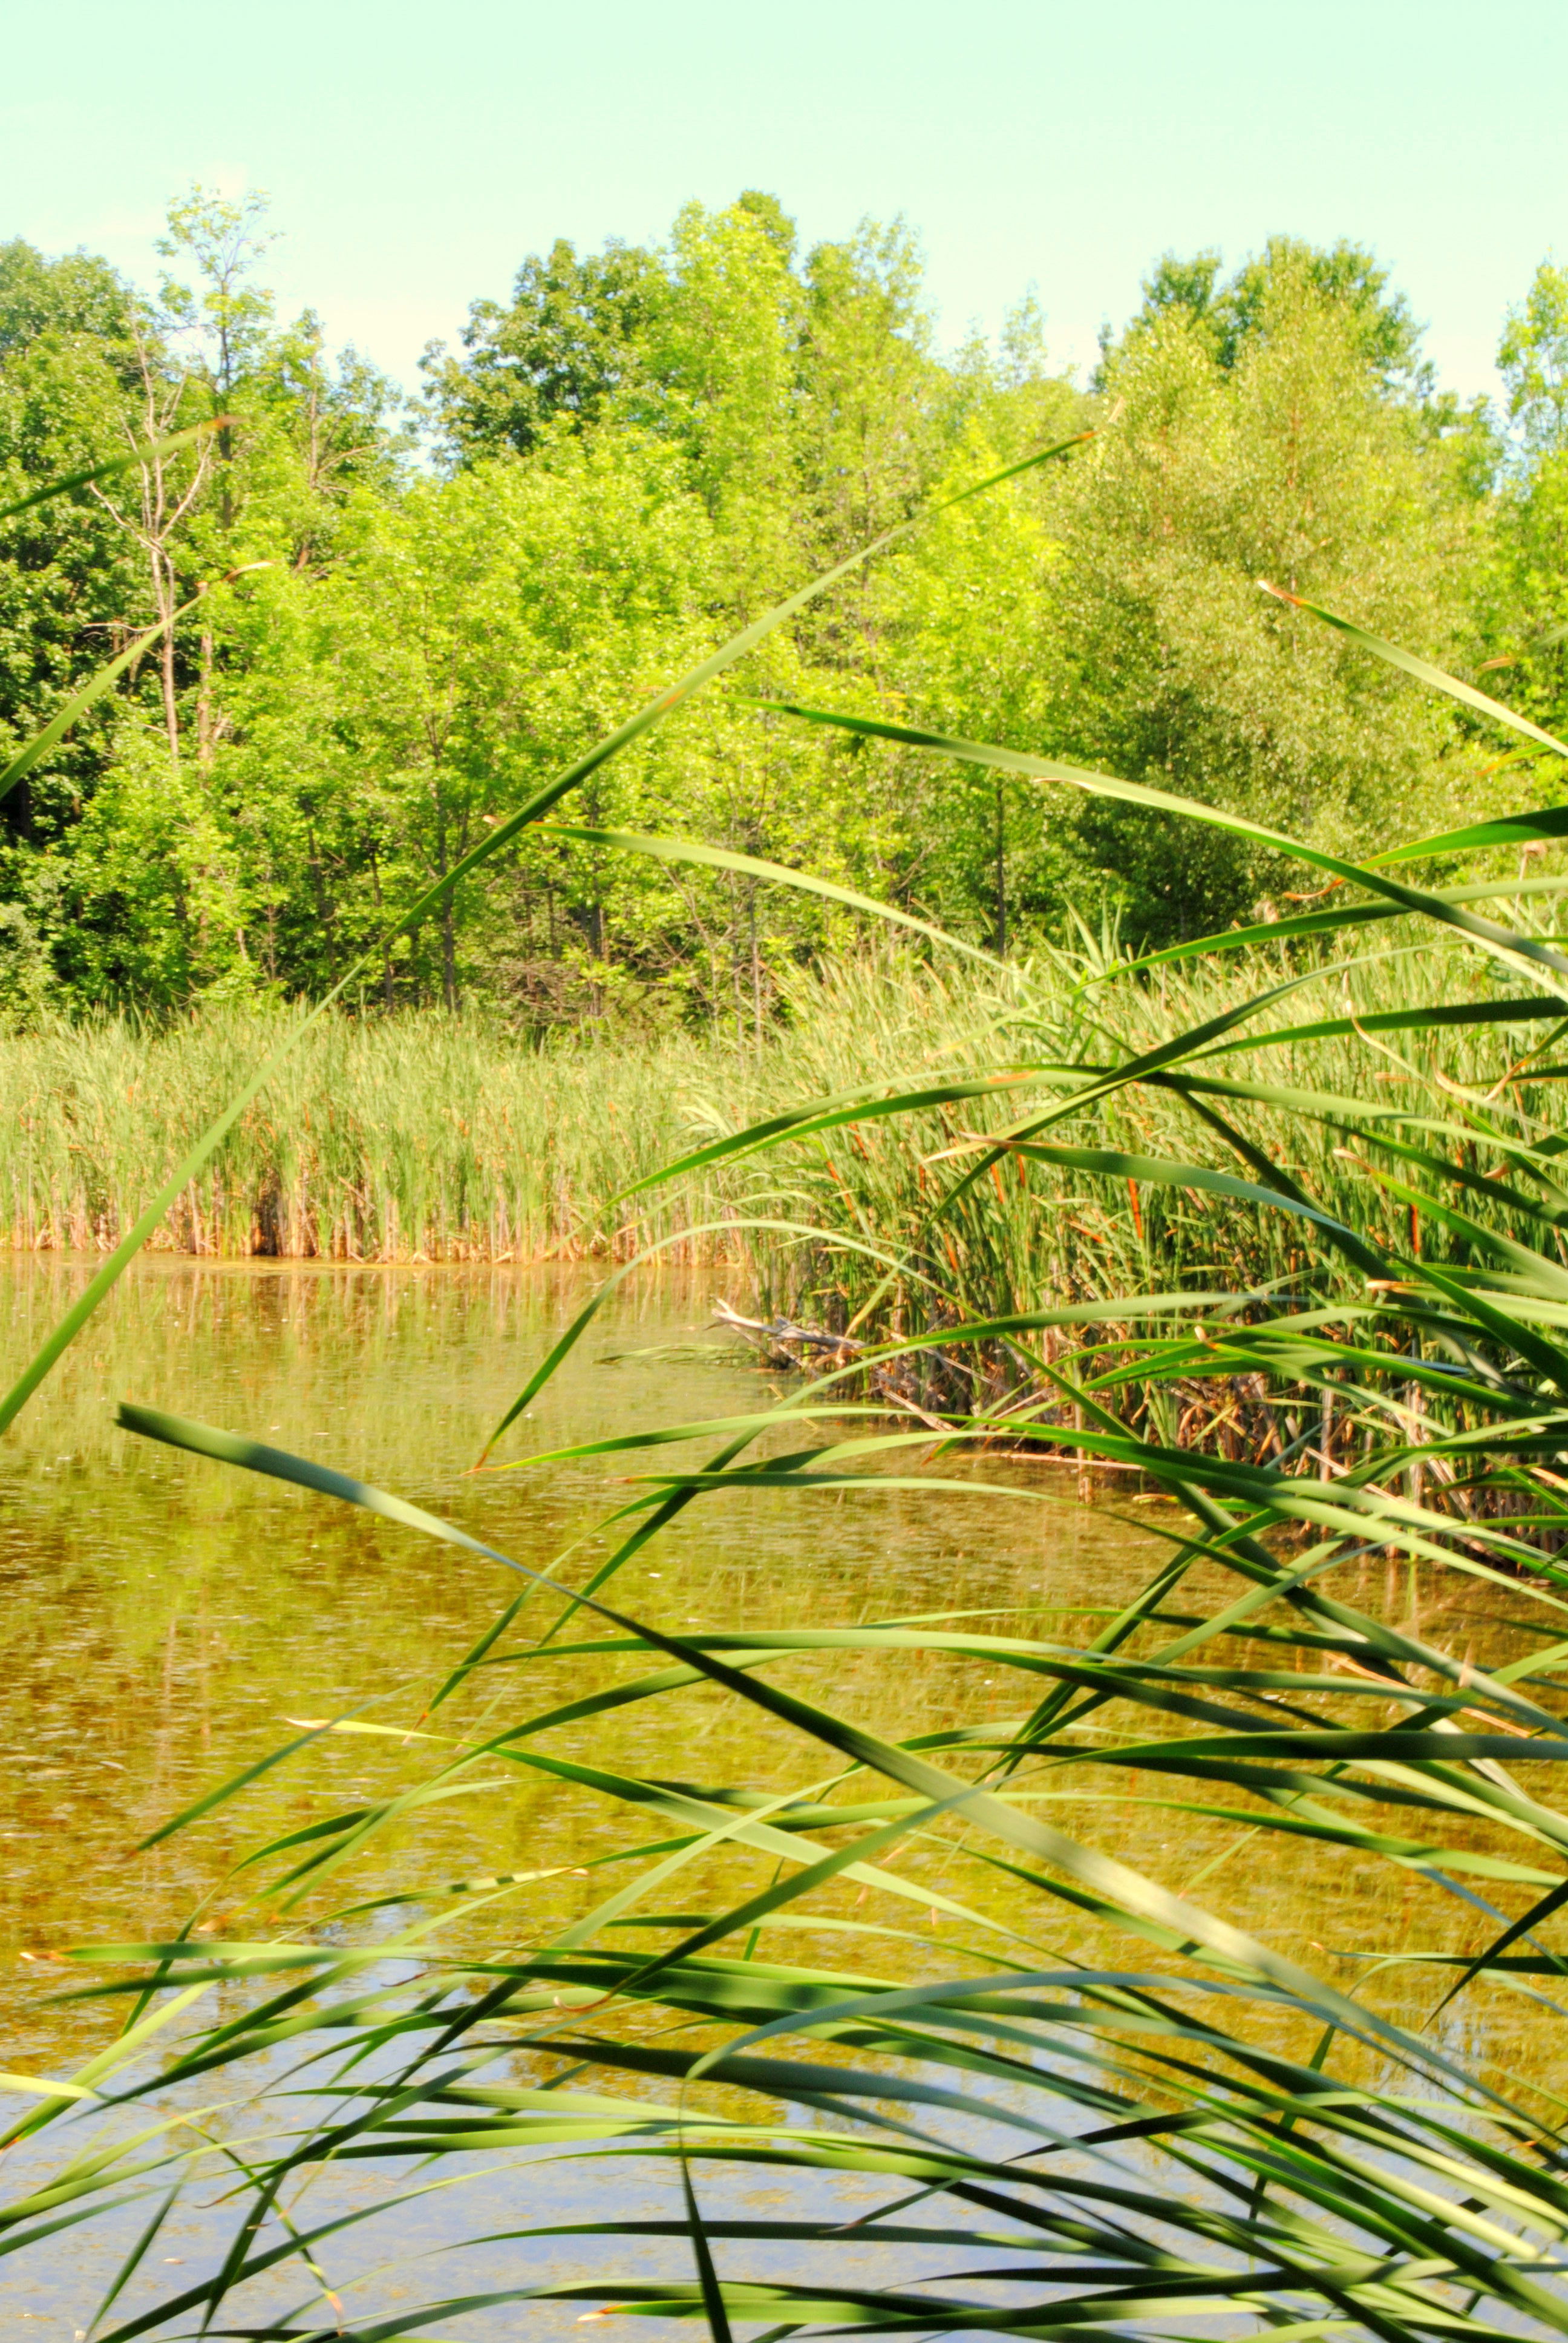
[811, 389]
[1244, 309]
[488, 623]
[67, 573]
[231, 317]
[966, 612]
[276, 770]
[1533, 359]
[568, 342]
[1531, 611]
[1288, 464]
[74, 295]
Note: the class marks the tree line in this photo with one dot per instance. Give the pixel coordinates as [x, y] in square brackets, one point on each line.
[398, 614]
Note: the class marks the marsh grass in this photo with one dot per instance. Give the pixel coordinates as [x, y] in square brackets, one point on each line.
[1032, 1233]
[412, 1138]
[432, 1137]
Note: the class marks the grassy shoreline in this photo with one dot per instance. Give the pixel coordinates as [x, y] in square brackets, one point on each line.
[426, 1138]
[417, 1138]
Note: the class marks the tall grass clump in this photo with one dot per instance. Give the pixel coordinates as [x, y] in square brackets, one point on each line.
[1382, 1040]
[1005, 2021]
[416, 1137]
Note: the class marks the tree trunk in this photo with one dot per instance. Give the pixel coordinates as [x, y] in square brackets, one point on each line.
[207, 730]
[386, 954]
[448, 957]
[323, 908]
[164, 588]
[756, 973]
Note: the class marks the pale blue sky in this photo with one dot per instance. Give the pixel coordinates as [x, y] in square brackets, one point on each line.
[413, 155]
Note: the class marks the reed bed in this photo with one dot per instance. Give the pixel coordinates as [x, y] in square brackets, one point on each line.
[412, 1138]
[428, 1138]
[1050, 1231]
[1032, 1230]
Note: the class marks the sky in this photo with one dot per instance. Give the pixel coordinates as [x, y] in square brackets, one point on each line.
[414, 156]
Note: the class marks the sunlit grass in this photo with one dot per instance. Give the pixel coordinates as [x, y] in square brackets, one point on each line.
[414, 1137]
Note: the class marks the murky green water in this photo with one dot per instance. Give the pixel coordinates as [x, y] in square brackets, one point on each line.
[166, 1617]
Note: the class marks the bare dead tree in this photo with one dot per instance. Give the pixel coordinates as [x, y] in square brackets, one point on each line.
[164, 503]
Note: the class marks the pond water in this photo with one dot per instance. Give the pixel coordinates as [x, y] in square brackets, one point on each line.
[165, 1616]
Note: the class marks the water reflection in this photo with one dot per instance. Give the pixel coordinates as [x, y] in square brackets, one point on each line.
[164, 1615]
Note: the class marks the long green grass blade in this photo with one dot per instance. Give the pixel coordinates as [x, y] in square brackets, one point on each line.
[151, 451]
[1509, 946]
[750, 866]
[1423, 671]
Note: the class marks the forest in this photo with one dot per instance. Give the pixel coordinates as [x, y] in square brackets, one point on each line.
[385, 619]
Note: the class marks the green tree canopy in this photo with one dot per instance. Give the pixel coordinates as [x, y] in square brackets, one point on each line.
[638, 449]
[1232, 312]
